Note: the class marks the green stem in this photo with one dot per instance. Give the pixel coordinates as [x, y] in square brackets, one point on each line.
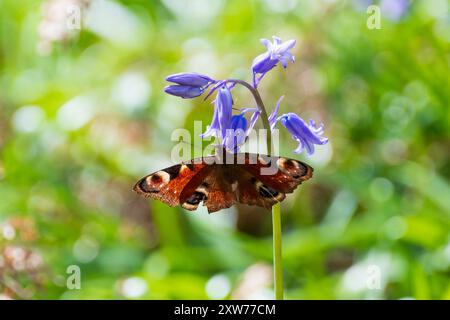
[276, 211]
[277, 259]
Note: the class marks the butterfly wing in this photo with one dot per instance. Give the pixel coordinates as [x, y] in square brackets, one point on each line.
[252, 191]
[216, 190]
[189, 184]
[279, 173]
[254, 180]
[265, 180]
[166, 185]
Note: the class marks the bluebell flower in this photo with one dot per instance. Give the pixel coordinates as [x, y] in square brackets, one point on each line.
[236, 134]
[307, 135]
[240, 129]
[190, 79]
[277, 51]
[185, 92]
[188, 85]
[232, 130]
[221, 120]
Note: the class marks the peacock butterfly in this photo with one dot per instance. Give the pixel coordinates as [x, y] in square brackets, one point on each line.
[219, 184]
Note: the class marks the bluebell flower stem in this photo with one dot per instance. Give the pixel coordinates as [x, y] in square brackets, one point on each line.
[277, 258]
[276, 210]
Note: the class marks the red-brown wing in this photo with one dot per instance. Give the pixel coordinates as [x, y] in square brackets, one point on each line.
[216, 190]
[166, 185]
[253, 192]
[250, 180]
[253, 179]
[278, 173]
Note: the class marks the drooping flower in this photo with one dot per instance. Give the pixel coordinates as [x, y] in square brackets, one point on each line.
[221, 120]
[236, 134]
[239, 129]
[190, 79]
[307, 135]
[185, 92]
[233, 130]
[277, 51]
[188, 85]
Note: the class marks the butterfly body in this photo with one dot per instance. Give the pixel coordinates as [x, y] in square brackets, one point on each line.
[221, 181]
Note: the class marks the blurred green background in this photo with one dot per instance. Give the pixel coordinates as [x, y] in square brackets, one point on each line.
[83, 116]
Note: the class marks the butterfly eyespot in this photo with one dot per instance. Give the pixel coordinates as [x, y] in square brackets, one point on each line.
[159, 177]
[173, 171]
[267, 192]
[289, 163]
[145, 186]
[155, 179]
[292, 167]
[196, 198]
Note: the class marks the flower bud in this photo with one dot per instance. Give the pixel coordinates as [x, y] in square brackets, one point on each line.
[190, 79]
[182, 91]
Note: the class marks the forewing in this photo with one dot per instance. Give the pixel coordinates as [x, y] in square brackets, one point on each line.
[279, 173]
[166, 185]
